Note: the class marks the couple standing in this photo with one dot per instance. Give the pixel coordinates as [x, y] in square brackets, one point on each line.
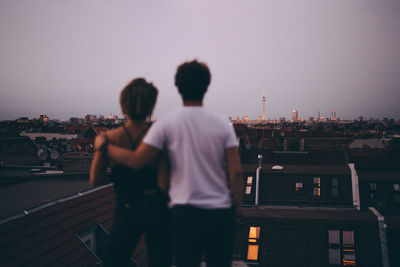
[203, 201]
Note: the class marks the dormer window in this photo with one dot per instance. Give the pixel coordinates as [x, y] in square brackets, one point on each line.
[249, 184]
[317, 187]
[253, 243]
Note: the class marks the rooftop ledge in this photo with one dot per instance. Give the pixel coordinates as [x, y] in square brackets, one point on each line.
[52, 203]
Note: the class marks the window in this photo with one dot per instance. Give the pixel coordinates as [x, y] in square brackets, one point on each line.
[349, 256]
[335, 187]
[372, 187]
[334, 246]
[249, 184]
[90, 241]
[317, 187]
[94, 238]
[341, 248]
[334, 256]
[253, 243]
[299, 187]
[396, 187]
[334, 237]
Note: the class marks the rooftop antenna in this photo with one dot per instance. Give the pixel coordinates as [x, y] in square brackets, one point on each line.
[263, 106]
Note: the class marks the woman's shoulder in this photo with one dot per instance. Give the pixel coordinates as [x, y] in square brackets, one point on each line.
[116, 136]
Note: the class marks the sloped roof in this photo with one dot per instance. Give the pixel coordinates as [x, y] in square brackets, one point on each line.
[380, 175]
[323, 214]
[301, 169]
[77, 128]
[49, 136]
[40, 190]
[374, 143]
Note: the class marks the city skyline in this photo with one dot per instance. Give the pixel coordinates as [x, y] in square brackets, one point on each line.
[67, 59]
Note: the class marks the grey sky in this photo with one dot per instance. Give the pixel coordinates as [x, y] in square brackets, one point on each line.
[70, 57]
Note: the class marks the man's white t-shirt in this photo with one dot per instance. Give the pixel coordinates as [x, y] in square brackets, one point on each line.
[195, 139]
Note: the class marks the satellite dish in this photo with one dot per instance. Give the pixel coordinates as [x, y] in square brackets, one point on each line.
[42, 155]
[54, 155]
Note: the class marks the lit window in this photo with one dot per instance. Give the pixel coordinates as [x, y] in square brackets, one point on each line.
[249, 184]
[349, 257]
[253, 243]
[254, 232]
[317, 187]
[317, 192]
[299, 187]
[248, 190]
[252, 252]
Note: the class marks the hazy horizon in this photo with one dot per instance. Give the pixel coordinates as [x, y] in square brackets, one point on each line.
[70, 58]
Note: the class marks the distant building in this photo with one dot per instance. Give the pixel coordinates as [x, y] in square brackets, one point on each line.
[295, 116]
[112, 117]
[43, 118]
[74, 120]
[333, 115]
[90, 118]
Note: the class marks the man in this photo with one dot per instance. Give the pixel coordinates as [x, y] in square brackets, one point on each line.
[197, 142]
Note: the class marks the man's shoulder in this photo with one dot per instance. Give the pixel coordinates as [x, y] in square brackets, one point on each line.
[168, 117]
[217, 116]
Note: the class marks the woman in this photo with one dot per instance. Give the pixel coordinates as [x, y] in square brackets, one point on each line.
[140, 204]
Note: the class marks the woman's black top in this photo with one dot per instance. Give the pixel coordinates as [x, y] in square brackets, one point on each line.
[132, 185]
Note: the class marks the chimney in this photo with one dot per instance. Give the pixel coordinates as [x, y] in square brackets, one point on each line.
[258, 174]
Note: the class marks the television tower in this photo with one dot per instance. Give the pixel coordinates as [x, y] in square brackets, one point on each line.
[263, 107]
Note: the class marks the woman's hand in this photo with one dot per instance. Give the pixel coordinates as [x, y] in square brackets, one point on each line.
[99, 141]
[98, 169]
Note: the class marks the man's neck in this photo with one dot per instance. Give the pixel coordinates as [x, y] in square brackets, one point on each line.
[192, 103]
